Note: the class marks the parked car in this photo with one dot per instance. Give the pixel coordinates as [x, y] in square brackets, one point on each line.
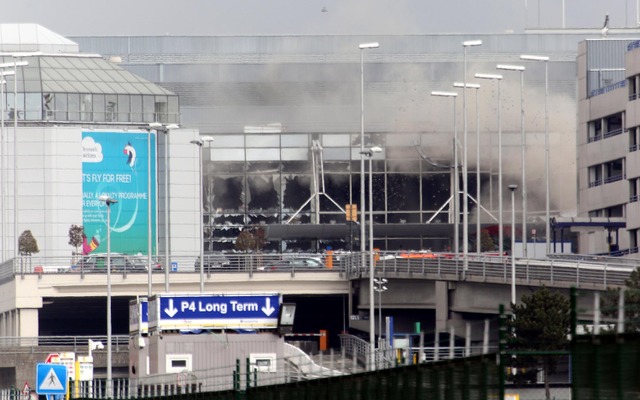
[98, 263]
[213, 261]
[295, 263]
[142, 261]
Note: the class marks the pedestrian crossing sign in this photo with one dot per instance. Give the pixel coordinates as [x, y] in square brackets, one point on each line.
[51, 378]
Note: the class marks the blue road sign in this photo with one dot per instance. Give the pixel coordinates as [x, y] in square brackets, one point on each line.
[169, 312]
[174, 266]
[51, 378]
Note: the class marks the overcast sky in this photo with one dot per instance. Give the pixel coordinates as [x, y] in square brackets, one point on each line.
[255, 17]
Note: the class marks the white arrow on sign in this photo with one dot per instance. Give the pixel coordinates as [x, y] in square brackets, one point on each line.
[267, 309]
[171, 311]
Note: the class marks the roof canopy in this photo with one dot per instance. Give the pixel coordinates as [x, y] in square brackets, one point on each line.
[21, 38]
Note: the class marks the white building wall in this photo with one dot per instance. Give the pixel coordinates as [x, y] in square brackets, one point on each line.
[49, 191]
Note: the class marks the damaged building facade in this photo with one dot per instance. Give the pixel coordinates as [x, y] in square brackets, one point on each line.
[285, 116]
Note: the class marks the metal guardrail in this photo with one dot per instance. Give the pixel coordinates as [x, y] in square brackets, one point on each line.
[599, 272]
[18, 344]
[556, 270]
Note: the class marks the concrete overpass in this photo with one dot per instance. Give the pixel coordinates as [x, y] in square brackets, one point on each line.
[40, 307]
[36, 301]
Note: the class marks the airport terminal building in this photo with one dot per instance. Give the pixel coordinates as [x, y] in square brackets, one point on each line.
[76, 126]
[285, 113]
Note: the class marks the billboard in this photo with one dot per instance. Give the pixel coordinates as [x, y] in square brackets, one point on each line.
[115, 164]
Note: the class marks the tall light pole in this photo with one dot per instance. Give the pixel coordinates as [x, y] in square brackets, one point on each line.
[3, 162]
[513, 188]
[152, 126]
[477, 89]
[16, 64]
[380, 287]
[454, 214]
[200, 142]
[372, 330]
[108, 201]
[167, 257]
[465, 177]
[547, 222]
[363, 47]
[498, 78]
[523, 146]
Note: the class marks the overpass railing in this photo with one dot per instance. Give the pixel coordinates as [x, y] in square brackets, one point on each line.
[21, 344]
[580, 271]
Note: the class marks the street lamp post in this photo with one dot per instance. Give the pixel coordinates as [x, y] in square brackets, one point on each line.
[454, 214]
[200, 142]
[477, 89]
[523, 146]
[513, 188]
[547, 215]
[167, 260]
[363, 47]
[372, 334]
[380, 287]
[498, 78]
[152, 126]
[108, 201]
[465, 178]
[3, 162]
[16, 64]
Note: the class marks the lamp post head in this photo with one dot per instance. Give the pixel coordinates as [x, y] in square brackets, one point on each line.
[200, 142]
[444, 94]
[488, 76]
[507, 67]
[468, 85]
[372, 151]
[155, 125]
[530, 57]
[471, 43]
[373, 45]
[173, 126]
[513, 187]
[107, 200]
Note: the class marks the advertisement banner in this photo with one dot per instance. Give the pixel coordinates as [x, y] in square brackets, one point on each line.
[115, 164]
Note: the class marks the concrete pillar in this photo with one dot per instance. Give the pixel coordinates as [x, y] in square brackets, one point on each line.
[3, 325]
[442, 305]
[27, 325]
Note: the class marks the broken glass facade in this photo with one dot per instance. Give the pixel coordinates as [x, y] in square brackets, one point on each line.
[303, 178]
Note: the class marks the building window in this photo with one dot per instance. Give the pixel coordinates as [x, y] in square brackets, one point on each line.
[633, 139]
[595, 130]
[615, 211]
[633, 91]
[613, 125]
[633, 240]
[178, 363]
[633, 190]
[614, 171]
[595, 176]
[595, 213]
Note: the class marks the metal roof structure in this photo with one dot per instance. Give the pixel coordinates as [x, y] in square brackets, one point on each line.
[32, 38]
[60, 84]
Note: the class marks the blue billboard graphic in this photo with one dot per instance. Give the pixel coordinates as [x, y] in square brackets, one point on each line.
[115, 164]
[168, 312]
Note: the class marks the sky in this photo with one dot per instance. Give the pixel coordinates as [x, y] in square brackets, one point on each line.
[313, 17]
